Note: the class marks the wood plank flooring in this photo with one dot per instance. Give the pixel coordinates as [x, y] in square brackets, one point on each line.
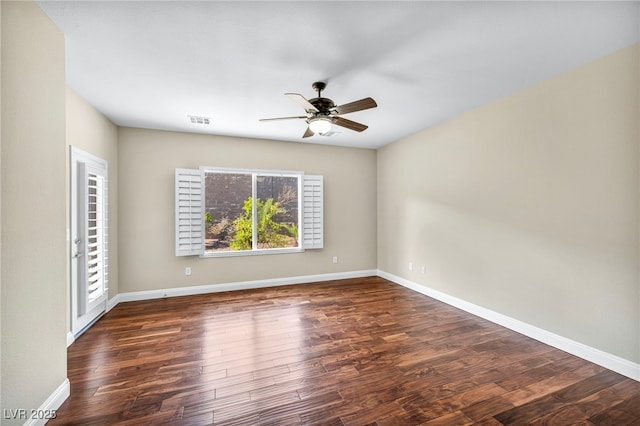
[350, 352]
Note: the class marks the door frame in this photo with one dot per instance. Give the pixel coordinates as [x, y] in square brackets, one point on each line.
[80, 161]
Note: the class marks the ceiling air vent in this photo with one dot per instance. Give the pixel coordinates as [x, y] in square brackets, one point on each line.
[194, 119]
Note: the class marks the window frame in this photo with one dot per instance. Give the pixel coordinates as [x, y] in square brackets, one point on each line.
[255, 251]
[190, 210]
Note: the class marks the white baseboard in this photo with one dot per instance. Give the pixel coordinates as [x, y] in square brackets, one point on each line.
[604, 359]
[242, 285]
[47, 410]
[111, 303]
[70, 338]
[607, 360]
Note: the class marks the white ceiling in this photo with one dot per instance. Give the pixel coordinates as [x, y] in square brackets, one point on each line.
[150, 64]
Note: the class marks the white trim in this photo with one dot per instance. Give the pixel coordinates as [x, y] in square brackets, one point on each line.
[242, 285]
[267, 172]
[51, 404]
[604, 359]
[70, 339]
[252, 252]
[80, 164]
[113, 302]
[87, 157]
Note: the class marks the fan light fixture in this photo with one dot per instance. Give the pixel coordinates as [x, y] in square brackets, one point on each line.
[320, 125]
[322, 113]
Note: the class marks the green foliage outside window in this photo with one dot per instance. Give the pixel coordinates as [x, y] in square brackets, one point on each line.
[208, 218]
[269, 231]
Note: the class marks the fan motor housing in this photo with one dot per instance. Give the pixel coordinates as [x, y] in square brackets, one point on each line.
[324, 105]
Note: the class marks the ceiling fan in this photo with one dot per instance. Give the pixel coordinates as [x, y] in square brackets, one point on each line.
[322, 112]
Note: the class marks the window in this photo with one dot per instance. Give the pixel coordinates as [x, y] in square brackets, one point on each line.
[222, 212]
[250, 211]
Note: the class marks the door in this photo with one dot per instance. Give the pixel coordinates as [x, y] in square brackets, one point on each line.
[89, 243]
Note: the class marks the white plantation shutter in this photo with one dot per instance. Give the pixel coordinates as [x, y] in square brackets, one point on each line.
[189, 213]
[96, 238]
[312, 216]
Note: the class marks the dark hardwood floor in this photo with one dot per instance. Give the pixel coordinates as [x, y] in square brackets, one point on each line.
[351, 352]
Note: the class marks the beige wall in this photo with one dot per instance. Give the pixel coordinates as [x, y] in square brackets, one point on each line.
[92, 132]
[1, 405]
[528, 206]
[147, 162]
[33, 208]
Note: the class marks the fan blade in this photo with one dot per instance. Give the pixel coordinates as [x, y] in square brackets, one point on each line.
[282, 118]
[365, 103]
[358, 127]
[308, 133]
[302, 101]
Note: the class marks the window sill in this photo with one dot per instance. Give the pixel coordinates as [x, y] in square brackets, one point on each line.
[259, 252]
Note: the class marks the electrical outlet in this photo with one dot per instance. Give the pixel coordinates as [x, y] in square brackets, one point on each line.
[187, 271]
[335, 259]
[411, 266]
